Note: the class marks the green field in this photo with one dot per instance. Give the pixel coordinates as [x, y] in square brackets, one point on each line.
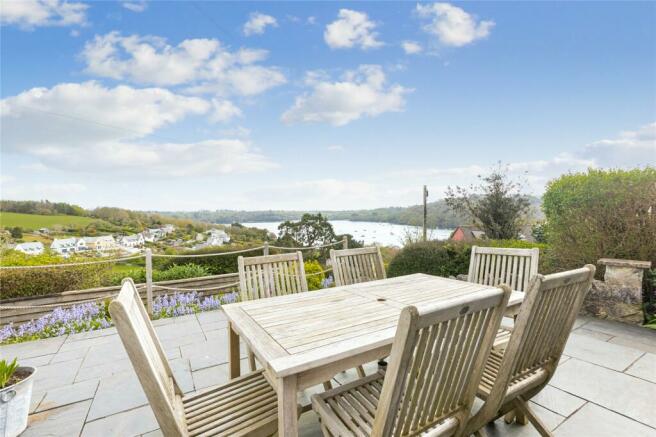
[35, 221]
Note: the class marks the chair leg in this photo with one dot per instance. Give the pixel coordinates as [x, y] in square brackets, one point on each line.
[360, 371]
[251, 361]
[509, 417]
[327, 385]
[532, 417]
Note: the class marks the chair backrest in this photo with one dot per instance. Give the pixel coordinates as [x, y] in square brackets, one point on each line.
[497, 265]
[148, 359]
[541, 330]
[436, 364]
[352, 266]
[271, 275]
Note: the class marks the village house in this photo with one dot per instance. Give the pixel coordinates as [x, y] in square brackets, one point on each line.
[153, 234]
[132, 241]
[218, 234]
[105, 243]
[31, 248]
[467, 234]
[66, 246]
[168, 228]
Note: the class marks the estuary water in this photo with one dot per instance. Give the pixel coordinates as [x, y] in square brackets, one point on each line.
[385, 234]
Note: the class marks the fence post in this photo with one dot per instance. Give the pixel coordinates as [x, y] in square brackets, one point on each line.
[266, 248]
[344, 242]
[149, 281]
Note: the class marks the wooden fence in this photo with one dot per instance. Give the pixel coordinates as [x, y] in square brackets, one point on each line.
[28, 308]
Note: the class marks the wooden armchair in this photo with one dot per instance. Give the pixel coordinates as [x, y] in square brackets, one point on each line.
[514, 375]
[352, 266]
[247, 405]
[436, 363]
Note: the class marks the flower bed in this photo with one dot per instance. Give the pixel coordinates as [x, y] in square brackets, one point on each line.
[94, 316]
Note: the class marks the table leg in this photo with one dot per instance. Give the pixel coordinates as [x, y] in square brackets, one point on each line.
[233, 352]
[287, 407]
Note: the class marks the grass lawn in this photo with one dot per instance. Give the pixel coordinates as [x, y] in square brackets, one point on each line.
[35, 221]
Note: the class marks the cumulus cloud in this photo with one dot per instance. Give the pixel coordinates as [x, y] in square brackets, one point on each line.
[135, 6]
[452, 25]
[29, 14]
[257, 23]
[629, 149]
[204, 65]
[91, 128]
[224, 110]
[411, 47]
[360, 93]
[351, 29]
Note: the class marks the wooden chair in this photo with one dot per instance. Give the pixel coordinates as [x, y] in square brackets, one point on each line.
[246, 405]
[436, 363]
[514, 375]
[269, 276]
[352, 266]
[497, 265]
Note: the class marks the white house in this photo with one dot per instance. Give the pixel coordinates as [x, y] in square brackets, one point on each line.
[134, 240]
[217, 235]
[32, 248]
[65, 246]
[104, 243]
[168, 228]
[153, 234]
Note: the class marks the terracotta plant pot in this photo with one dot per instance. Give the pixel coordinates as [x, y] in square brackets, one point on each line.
[15, 403]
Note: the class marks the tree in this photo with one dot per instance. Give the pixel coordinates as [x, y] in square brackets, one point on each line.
[496, 204]
[311, 230]
[16, 232]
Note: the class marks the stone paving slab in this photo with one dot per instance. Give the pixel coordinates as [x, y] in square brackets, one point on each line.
[87, 386]
[619, 392]
[593, 420]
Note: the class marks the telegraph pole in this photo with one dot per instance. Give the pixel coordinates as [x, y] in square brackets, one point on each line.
[425, 196]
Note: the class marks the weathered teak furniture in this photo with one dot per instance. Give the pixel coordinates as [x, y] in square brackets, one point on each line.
[268, 276]
[435, 366]
[516, 374]
[306, 338]
[497, 265]
[352, 266]
[271, 275]
[244, 406]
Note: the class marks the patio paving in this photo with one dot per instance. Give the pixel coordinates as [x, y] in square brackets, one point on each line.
[85, 385]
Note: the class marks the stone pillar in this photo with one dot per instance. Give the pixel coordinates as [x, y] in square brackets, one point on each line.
[619, 295]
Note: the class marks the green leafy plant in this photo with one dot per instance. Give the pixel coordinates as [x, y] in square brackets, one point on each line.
[314, 274]
[6, 371]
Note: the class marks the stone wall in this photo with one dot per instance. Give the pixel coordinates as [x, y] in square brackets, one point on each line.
[619, 295]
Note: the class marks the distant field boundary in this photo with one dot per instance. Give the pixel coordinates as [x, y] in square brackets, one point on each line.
[36, 221]
[28, 308]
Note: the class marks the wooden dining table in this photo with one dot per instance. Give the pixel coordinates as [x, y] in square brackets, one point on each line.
[305, 339]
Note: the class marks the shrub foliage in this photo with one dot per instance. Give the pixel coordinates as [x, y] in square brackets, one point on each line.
[601, 214]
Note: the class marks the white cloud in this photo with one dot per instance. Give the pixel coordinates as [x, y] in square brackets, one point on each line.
[203, 64]
[335, 148]
[360, 93]
[452, 25]
[29, 14]
[257, 23]
[629, 149]
[135, 6]
[411, 47]
[224, 110]
[352, 29]
[311, 20]
[89, 128]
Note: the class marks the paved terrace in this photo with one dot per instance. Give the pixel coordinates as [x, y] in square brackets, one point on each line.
[604, 386]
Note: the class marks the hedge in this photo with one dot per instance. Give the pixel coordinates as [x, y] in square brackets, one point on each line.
[446, 258]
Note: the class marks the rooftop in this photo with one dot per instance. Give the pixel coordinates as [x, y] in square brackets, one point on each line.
[85, 384]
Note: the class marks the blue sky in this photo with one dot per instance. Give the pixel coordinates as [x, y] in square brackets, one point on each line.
[306, 105]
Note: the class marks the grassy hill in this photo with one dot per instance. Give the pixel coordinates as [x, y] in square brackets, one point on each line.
[36, 221]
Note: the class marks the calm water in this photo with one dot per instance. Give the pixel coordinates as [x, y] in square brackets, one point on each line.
[386, 234]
